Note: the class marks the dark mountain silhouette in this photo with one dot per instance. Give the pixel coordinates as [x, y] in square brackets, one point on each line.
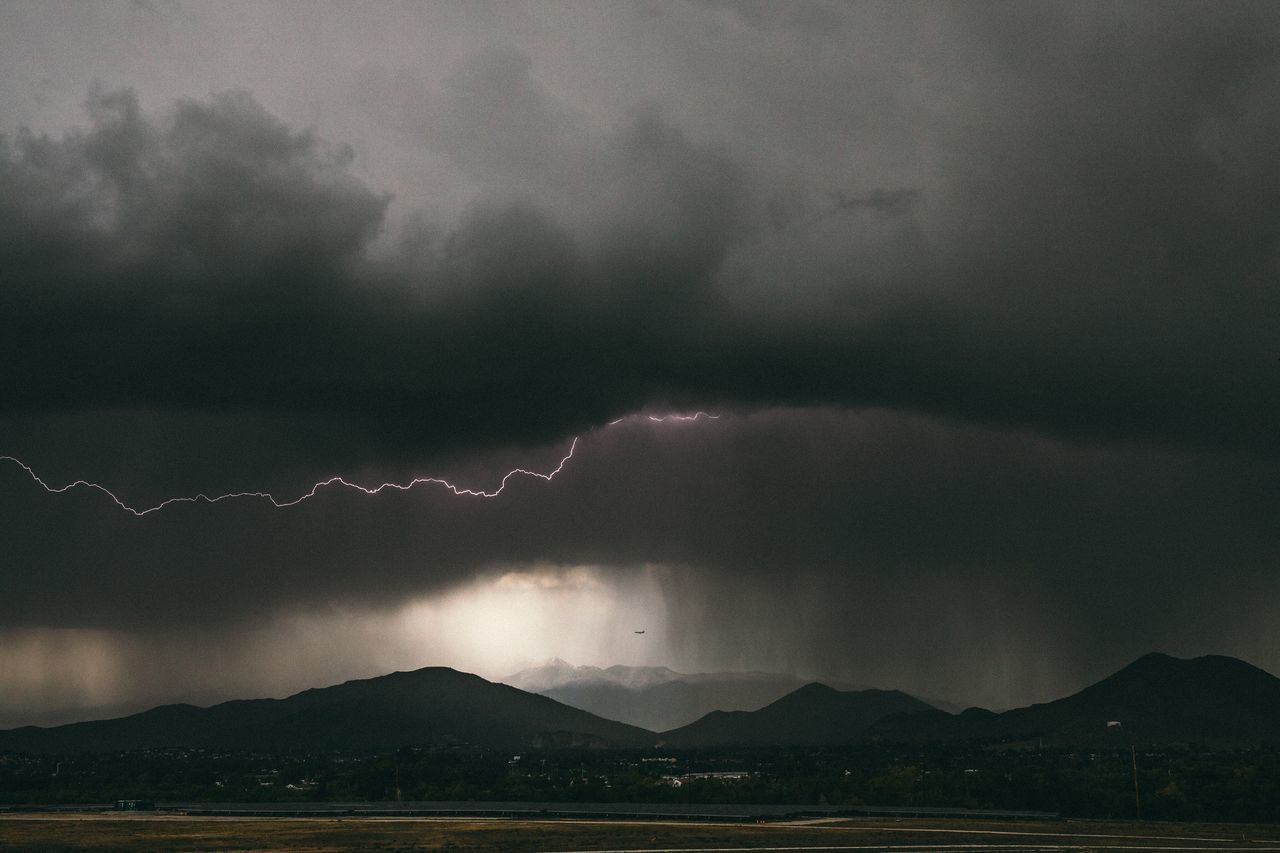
[673, 703]
[655, 698]
[1156, 699]
[435, 705]
[659, 698]
[810, 716]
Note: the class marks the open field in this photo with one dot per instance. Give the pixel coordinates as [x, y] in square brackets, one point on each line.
[111, 831]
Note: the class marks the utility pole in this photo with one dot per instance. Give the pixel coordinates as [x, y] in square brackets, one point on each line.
[1137, 800]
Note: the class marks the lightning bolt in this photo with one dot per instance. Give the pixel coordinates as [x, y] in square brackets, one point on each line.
[339, 480]
[663, 418]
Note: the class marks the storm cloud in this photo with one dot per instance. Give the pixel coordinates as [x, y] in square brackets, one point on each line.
[1102, 221]
[985, 295]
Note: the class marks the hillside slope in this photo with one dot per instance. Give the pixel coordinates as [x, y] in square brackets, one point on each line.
[435, 705]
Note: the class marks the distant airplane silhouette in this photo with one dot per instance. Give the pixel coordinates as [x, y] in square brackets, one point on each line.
[639, 632]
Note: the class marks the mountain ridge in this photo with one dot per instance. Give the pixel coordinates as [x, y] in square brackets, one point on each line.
[1157, 698]
[432, 705]
[812, 715]
[655, 698]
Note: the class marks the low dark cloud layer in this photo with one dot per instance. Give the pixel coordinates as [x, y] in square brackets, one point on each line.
[798, 539]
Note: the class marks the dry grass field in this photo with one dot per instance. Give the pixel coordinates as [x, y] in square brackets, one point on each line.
[119, 832]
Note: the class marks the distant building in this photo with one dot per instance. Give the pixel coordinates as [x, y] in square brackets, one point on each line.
[135, 806]
[722, 775]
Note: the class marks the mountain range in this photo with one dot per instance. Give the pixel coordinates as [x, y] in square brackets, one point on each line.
[1157, 699]
[653, 697]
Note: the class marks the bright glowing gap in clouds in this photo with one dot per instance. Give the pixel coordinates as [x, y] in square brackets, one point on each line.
[503, 623]
[494, 626]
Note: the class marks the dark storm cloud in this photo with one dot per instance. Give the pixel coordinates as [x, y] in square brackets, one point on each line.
[1099, 256]
[1119, 234]
[215, 258]
[165, 263]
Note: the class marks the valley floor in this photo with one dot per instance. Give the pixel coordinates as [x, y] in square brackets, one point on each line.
[115, 831]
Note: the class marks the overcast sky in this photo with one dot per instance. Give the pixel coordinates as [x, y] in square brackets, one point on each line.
[985, 297]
